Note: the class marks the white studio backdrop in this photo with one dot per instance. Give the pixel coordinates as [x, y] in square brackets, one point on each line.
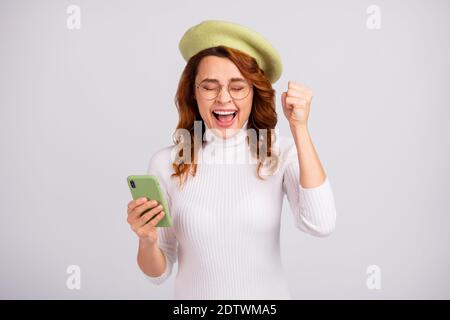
[83, 108]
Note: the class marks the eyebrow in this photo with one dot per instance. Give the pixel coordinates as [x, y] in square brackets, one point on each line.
[217, 81]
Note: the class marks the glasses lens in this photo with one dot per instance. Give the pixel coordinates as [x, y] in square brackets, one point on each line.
[209, 90]
[238, 90]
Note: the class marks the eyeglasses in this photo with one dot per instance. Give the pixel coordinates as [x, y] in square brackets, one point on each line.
[209, 90]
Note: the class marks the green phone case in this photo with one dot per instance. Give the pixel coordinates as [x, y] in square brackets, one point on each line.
[148, 186]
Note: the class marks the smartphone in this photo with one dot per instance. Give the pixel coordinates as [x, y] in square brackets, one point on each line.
[148, 186]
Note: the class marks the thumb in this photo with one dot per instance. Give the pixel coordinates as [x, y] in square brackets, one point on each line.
[283, 99]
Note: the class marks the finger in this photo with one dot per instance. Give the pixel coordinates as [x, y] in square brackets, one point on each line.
[148, 216]
[299, 93]
[301, 90]
[139, 222]
[134, 203]
[296, 93]
[293, 101]
[283, 97]
[292, 84]
[298, 86]
[140, 210]
[157, 219]
[145, 229]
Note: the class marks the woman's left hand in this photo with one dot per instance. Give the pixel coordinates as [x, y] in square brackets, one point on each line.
[296, 103]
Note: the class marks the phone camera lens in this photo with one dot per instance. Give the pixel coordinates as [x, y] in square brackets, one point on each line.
[132, 184]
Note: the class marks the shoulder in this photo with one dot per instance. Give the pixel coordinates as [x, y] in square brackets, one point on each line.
[160, 162]
[284, 152]
[160, 166]
[285, 144]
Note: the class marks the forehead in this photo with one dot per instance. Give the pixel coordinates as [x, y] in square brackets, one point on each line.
[219, 68]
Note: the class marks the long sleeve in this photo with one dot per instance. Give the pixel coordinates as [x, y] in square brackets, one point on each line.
[225, 236]
[167, 240]
[313, 209]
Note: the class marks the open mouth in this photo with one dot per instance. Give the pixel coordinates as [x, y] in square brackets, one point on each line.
[225, 117]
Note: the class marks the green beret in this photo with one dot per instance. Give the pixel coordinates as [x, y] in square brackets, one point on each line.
[212, 33]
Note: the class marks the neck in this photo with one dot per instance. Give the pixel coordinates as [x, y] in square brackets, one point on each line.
[212, 137]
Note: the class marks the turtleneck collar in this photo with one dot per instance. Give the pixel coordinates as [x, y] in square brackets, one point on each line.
[237, 139]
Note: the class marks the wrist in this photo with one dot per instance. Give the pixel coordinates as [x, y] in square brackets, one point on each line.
[147, 243]
[302, 128]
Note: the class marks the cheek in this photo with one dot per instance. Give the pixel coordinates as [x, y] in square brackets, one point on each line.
[203, 109]
[206, 115]
[246, 106]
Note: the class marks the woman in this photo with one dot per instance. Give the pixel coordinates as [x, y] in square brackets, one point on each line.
[226, 215]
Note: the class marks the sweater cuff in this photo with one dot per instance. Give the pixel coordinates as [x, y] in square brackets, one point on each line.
[324, 185]
[318, 207]
[160, 279]
[316, 197]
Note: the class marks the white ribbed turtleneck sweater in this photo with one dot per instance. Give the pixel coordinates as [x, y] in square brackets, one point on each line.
[226, 231]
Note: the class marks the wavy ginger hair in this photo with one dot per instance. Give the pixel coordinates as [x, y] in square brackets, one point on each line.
[262, 114]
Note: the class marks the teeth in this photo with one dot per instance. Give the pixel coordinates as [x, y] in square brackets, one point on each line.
[224, 113]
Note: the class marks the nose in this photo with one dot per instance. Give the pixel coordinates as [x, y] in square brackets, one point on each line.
[224, 96]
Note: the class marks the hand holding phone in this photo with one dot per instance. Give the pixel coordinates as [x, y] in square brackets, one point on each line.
[147, 186]
[143, 216]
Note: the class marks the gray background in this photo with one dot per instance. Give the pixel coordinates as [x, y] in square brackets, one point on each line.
[82, 109]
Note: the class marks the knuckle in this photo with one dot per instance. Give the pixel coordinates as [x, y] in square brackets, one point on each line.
[141, 210]
[153, 203]
[144, 218]
[148, 216]
[134, 213]
[158, 218]
[147, 205]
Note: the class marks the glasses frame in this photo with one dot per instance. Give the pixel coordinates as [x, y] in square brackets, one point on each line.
[250, 87]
